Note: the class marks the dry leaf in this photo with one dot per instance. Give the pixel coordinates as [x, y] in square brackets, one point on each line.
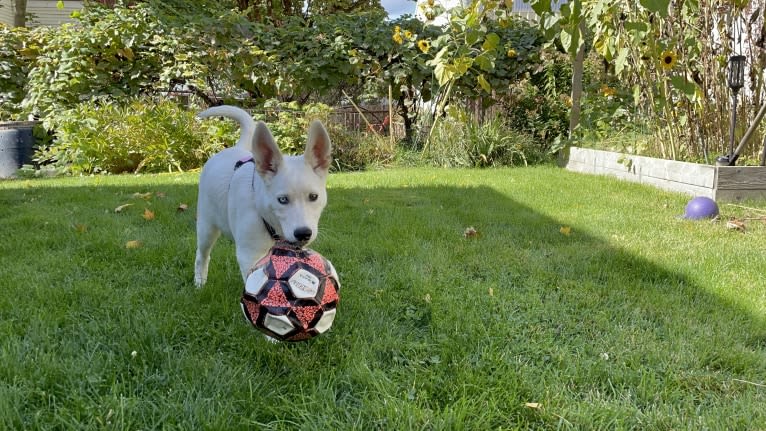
[491, 292]
[427, 298]
[532, 405]
[566, 230]
[159, 194]
[79, 227]
[182, 207]
[121, 207]
[148, 214]
[133, 244]
[470, 232]
[735, 225]
[144, 196]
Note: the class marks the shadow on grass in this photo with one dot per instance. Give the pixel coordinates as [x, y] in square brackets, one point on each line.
[433, 326]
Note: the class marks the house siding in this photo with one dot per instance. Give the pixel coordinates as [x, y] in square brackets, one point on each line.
[6, 12]
[44, 12]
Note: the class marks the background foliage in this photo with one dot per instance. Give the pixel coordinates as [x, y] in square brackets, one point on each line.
[220, 54]
[665, 63]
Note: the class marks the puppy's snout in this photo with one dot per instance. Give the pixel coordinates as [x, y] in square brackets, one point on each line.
[302, 234]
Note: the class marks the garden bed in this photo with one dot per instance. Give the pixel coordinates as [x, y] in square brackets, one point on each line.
[722, 183]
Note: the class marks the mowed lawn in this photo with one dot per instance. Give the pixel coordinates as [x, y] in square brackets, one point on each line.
[579, 303]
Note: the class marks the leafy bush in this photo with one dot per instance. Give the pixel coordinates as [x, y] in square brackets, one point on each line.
[289, 122]
[19, 48]
[141, 136]
[540, 104]
[149, 136]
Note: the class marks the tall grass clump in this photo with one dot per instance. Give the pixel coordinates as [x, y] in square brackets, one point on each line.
[460, 141]
[355, 151]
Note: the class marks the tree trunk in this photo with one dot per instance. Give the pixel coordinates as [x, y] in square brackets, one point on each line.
[407, 120]
[20, 13]
[574, 115]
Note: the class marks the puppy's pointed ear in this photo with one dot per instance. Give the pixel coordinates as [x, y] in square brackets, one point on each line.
[318, 149]
[267, 156]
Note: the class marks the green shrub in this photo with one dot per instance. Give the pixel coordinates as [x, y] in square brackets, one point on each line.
[289, 122]
[540, 105]
[148, 136]
[19, 47]
[141, 136]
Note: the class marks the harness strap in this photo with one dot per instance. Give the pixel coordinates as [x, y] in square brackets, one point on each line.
[272, 232]
[243, 161]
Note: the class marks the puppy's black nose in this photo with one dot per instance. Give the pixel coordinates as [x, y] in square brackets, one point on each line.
[302, 234]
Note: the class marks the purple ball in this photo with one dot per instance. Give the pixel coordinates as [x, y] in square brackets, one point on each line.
[700, 208]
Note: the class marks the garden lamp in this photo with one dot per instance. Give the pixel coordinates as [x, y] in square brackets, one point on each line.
[736, 81]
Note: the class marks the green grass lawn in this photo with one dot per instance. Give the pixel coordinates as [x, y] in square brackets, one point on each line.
[633, 320]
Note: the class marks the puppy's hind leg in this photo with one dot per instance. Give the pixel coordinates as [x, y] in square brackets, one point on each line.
[207, 234]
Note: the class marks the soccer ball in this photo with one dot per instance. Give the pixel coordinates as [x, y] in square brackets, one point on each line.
[291, 294]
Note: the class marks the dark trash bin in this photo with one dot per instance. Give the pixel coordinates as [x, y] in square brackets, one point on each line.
[16, 146]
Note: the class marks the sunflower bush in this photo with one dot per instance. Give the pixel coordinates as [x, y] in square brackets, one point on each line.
[666, 63]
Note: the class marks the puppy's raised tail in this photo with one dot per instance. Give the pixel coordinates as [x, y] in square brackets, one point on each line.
[246, 122]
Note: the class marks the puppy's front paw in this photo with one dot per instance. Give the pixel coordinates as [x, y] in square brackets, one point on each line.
[199, 282]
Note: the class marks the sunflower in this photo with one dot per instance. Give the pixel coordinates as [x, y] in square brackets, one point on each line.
[511, 53]
[607, 91]
[397, 37]
[408, 35]
[668, 59]
[424, 46]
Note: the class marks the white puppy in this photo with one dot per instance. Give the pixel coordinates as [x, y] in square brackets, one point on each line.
[254, 194]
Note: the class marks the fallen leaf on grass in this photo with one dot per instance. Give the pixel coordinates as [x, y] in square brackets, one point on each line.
[120, 208]
[148, 214]
[133, 244]
[491, 292]
[470, 232]
[532, 405]
[145, 196]
[566, 230]
[79, 227]
[182, 207]
[735, 225]
[159, 194]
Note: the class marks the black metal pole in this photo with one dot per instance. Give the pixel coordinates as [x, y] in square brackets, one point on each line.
[742, 142]
[733, 122]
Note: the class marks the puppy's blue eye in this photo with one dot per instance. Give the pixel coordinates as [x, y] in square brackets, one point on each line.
[313, 197]
[283, 200]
